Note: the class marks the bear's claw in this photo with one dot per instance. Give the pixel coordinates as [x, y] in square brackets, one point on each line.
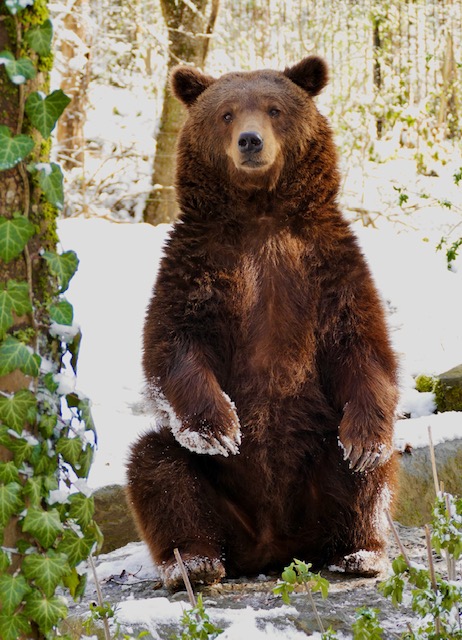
[207, 443]
[362, 459]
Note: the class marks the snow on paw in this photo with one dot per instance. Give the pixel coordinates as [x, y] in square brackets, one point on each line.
[206, 443]
[362, 563]
[201, 571]
[217, 435]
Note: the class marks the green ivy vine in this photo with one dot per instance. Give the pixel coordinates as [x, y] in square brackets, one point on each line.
[46, 429]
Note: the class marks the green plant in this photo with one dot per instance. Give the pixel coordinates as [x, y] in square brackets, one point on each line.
[437, 601]
[366, 626]
[47, 435]
[196, 624]
[298, 573]
[452, 251]
[403, 196]
[447, 525]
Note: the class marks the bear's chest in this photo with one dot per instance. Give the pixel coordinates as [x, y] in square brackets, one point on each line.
[273, 298]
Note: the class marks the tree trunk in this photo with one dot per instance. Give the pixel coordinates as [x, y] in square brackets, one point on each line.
[448, 114]
[74, 84]
[189, 36]
[377, 49]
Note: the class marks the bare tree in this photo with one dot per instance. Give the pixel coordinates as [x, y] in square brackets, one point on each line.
[75, 59]
[190, 26]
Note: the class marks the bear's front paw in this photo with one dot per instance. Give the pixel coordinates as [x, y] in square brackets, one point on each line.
[364, 456]
[218, 435]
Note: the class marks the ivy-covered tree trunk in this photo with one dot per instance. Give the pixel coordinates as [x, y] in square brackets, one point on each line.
[43, 535]
[189, 32]
[19, 195]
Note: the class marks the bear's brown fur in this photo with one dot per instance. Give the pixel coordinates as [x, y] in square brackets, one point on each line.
[265, 347]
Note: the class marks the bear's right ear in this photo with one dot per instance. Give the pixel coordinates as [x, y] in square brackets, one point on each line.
[188, 83]
[310, 74]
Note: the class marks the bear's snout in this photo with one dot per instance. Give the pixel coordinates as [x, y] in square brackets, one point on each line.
[250, 142]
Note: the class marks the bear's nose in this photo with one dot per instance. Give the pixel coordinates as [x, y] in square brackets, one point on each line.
[250, 142]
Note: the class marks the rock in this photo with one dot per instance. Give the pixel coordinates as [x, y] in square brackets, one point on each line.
[416, 492]
[114, 517]
[448, 390]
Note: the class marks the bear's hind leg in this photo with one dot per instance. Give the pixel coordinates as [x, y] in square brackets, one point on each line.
[173, 506]
[356, 519]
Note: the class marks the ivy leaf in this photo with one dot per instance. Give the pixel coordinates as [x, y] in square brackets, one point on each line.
[13, 297]
[46, 612]
[10, 501]
[13, 149]
[12, 592]
[14, 6]
[43, 525]
[14, 233]
[70, 449]
[39, 39]
[82, 509]
[75, 547]
[33, 489]
[8, 473]
[83, 467]
[46, 570]
[18, 71]
[16, 411]
[44, 111]
[14, 627]
[15, 355]
[4, 562]
[21, 449]
[51, 181]
[63, 266]
[47, 424]
[76, 583]
[43, 460]
[62, 312]
[74, 348]
[86, 416]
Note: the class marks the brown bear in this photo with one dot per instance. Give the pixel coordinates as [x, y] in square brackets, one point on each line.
[266, 351]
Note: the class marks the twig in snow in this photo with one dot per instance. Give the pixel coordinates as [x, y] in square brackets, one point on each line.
[397, 538]
[184, 574]
[433, 459]
[107, 633]
[315, 609]
[432, 574]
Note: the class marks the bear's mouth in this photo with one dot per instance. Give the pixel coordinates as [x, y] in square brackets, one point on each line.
[253, 163]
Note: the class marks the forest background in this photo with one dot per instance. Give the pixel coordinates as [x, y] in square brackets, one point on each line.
[395, 84]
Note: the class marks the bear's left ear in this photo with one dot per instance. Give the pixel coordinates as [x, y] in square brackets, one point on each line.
[310, 74]
[188, 83]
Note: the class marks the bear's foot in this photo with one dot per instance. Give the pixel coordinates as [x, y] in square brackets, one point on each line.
[362, 563]
[201, 570]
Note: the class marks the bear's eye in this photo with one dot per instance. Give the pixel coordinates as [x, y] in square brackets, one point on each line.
[228, 117]
[274, 113]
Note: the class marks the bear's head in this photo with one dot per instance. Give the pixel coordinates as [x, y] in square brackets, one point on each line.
[250, 125]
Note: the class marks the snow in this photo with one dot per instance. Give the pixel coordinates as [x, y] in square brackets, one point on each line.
[242, 623]
[18, 79]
